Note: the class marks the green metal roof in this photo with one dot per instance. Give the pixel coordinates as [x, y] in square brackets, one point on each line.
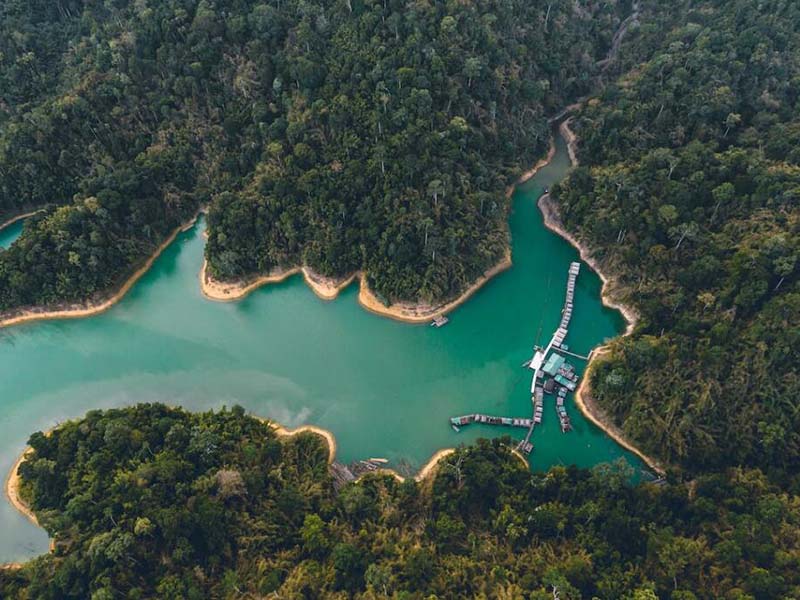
[553, 364]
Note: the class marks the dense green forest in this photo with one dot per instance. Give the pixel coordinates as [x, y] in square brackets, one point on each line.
[689, 190]
[152, 502]
[381, 135]
[341, 134]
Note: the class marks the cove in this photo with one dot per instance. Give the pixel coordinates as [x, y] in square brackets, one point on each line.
[10, 233]
[385, 389]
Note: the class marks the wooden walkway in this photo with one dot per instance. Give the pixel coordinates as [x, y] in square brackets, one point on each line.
[535, 364]
[490, 420]
[540, 356]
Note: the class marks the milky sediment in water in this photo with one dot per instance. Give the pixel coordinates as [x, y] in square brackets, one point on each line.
[385, 389]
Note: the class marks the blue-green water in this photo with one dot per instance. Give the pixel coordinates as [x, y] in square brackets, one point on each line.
[9, 234]
[383, 388]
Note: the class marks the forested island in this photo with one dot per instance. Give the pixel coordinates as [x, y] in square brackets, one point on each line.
[152, 502]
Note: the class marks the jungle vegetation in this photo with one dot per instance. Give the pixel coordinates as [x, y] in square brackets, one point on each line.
[381, 135]
[348, 134]
[689, 190]
[153, 502]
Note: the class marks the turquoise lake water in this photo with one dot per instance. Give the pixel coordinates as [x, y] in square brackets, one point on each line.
[385, 389]
[9, 234]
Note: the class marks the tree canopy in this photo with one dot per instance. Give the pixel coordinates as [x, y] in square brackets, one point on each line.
[689, 191]
[344, 135]
[149, 501]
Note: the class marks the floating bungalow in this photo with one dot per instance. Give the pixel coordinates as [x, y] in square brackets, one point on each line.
[552, 374]
[440, 321]
[563, 381]
[554, 364]
[458, 422]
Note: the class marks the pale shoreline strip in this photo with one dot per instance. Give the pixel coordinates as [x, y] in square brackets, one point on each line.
[89, 309]
[12, 490]
[13, 485]
[329, 438]
[587, 405]
[421, 313]
[13, 220]
[583, 397]
[328, 288]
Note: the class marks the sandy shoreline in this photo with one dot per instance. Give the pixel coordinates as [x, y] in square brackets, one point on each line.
[430, 467]
[425, 471]
[587, 405]
[422, 313]
[551, 152]
[88, 309]
[583, 398]
[328, 288]
[13, 220]
[12, 489]
[571, 139]
[329, 438]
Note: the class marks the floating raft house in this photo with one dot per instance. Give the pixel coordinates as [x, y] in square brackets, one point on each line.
[567, 383]
[554, 364]
[490, 420]
[440, 321]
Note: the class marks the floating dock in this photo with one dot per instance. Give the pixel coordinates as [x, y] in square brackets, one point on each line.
[538, 405]
[489, 420]
[440, 321]
[551, 374]
[554, 365]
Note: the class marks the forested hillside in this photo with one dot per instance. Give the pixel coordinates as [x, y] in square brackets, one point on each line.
[151, 502]
[342, 134]
[689, 191]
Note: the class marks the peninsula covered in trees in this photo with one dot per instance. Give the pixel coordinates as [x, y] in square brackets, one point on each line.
[152, 502]
[689, 192]
[341, 135]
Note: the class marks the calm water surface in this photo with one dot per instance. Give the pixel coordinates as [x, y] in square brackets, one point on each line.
[9, 234]
[383, 388]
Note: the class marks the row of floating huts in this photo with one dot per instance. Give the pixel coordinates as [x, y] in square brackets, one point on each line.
[458, 422]
[566, 312]
[557, 376]
[552, 374]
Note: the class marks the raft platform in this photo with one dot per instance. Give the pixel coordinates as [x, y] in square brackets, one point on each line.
[440, 321]
[561, 376]
[457, 422]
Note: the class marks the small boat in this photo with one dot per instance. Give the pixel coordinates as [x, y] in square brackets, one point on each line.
[440, 321]
[382, 461]
[455, 427]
